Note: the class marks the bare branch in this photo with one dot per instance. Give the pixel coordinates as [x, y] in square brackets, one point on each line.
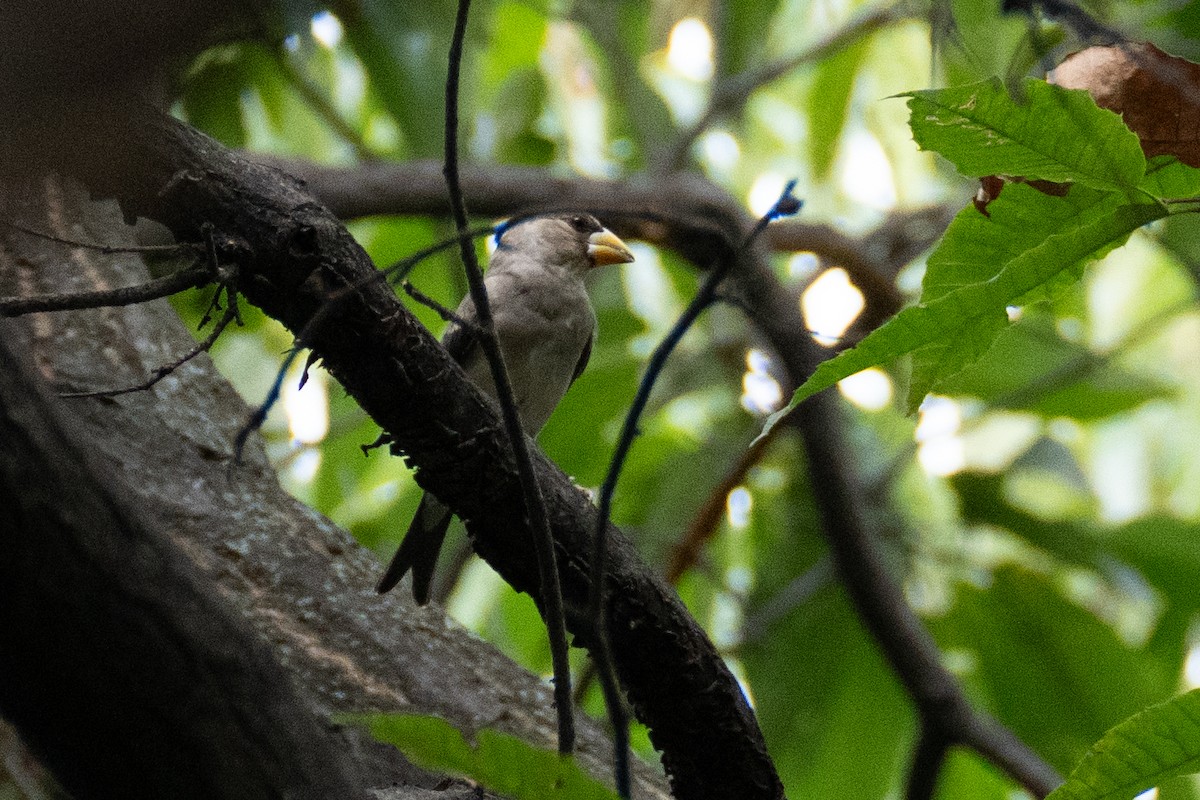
[176, 282]
[927, 760]
[550, 590]
[231, 313]
[106, 249]
[681, 211]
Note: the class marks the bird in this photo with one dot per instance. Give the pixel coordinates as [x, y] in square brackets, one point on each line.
[544, 324]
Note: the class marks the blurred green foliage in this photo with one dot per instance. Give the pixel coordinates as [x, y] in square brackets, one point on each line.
[1043, 516]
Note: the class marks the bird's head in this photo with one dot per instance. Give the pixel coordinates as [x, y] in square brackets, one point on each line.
[575, 242]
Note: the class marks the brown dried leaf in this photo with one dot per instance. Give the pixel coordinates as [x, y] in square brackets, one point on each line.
[1157, 94]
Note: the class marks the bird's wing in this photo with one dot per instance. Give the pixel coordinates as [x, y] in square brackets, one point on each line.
[582, 363]
[462, 343]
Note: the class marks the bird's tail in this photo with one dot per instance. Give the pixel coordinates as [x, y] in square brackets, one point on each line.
[419, 550]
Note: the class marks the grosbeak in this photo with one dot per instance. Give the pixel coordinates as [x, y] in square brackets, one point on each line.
[544, 324]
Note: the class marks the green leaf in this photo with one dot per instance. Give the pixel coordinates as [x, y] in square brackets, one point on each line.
[501, 762]
[742, 34]
[968, 775]
[835, 720]
[1164, 550]
[518, 31]
[1045, 666]
[974, 40]
[957, 326]
[1051, 134]
[402, 47]
[1168, 177]
[828, 105]
[976, 247]
[212, 95]
[1030, 367]
[1159, 743]
[808, 662]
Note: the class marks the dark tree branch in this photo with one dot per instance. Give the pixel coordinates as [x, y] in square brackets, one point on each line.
[926, 766]
[231, 313]
[154, 167]
[299, 586]
[550, 590]
[682, 212]
[705, 297]
[296, 255]
[190, 278]
[701, 210]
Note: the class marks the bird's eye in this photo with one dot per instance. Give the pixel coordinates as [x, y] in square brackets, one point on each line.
[582, 224]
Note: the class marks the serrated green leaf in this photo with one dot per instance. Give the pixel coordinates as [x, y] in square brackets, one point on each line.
[1051, 134]
[1168, 177]
[976, 247]
[949, 354]
[972, 310]
[499, 761]
[1159, 743]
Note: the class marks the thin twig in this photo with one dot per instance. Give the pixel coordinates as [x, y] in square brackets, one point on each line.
[704, 524]
[731, 94]
[446, 314]
[798, 591]
[165, 286]
[705, 296]
[104, 249]
[535, 507]
[320, 105]
[398, 271]
[231, 313]
[259, 415]
[927, 760]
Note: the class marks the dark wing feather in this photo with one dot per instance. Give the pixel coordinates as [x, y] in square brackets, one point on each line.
[582, 363]
[419, 550]
[462, 344]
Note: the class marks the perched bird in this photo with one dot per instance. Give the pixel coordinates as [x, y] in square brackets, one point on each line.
[544, 323]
